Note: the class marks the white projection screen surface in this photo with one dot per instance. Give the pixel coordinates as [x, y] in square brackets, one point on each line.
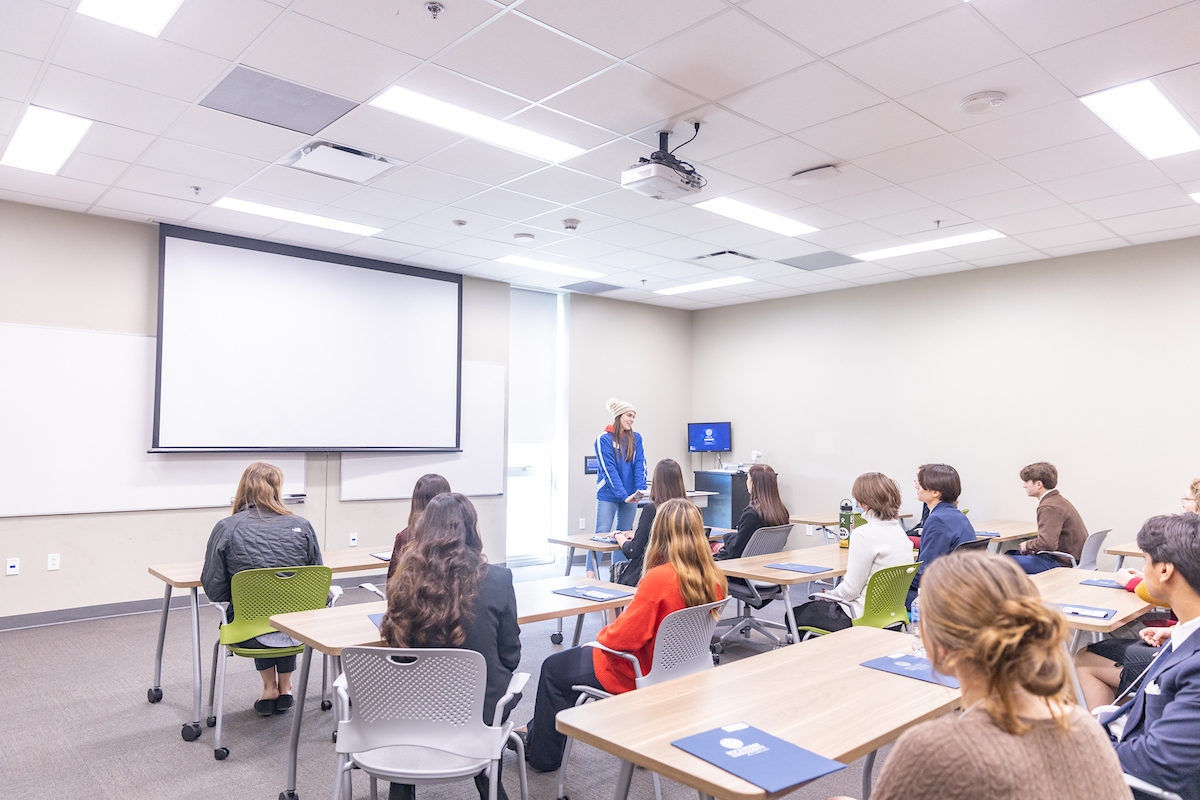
[270, 347]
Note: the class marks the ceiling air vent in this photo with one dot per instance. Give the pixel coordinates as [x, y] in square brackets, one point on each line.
[817, 261]
[591, 287]
[725, 259]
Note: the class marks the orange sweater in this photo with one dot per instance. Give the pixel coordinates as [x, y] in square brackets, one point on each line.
[633, 632]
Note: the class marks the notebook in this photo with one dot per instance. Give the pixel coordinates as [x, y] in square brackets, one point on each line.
[911, 666]
[760, 758]
[1106, 582]
[596, 593]
[806, 568]
[1087, 612]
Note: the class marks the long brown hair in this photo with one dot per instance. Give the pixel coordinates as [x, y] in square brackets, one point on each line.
[764, 496]
[433, 591]
[678, 538]
[623, 439]
[983, 609]
[428, 487]
[261, 486]
[668, 482]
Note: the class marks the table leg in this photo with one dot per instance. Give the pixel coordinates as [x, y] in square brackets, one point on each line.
[624, 778]
[155, 692]
[578, 629]
[790, 615]
[556, 638]
[868, 768]
[297, 717]
[993, 547]
[197, 680]
[1120, 563]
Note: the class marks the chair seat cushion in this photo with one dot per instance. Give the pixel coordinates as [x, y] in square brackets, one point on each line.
[267, 652]
[417, 764]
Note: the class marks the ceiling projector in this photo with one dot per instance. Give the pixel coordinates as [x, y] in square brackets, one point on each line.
[662, 175]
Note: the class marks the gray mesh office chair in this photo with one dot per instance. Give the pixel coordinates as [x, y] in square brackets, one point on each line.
[756, 594]
[1089, 553]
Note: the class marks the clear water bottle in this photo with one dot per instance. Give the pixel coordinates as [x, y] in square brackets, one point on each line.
[914, 616]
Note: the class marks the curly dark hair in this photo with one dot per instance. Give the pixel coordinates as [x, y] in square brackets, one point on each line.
[432, 594]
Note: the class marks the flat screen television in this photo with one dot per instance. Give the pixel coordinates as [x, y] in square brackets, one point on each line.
[709, 437]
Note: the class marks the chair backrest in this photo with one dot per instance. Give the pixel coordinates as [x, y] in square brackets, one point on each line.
[887, 590]
[1091, 548]
[767, 540]
[978, 544]
[427, 697]
[681, 644]
[259, 593]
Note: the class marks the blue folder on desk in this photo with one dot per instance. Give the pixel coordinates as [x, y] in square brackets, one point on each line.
[986, 534]
[805, 568]
[1087, 612]
[377, 619]
[760, 758]
[911, 666]
[596, 593]
[1106, 582]
[383, 555]
[609, 539]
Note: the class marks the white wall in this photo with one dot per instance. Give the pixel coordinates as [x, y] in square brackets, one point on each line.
[1086, 361]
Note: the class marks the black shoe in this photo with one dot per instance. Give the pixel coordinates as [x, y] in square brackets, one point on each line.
[524, 737]
[265, 708]
[283, 703]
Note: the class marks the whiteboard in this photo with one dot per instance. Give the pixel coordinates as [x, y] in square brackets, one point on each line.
[478, 470]
[76, 414]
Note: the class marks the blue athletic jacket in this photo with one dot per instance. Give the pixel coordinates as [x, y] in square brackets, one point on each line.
[619, 478]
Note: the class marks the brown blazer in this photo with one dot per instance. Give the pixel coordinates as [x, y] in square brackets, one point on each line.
[1060, 528]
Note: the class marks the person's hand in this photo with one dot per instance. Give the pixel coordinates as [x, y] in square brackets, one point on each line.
[1021, 548]
[1124, 576]
[622, 537]
[1156, 637]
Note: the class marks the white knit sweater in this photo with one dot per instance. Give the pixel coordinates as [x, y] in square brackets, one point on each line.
[878, 544]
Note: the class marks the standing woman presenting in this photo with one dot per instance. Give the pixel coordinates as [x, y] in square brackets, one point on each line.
[622, 474]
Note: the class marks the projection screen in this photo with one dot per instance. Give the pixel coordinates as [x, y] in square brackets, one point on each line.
[263, 346]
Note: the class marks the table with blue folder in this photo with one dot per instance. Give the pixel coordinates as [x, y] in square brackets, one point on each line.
[1000, 531]
[817, 696]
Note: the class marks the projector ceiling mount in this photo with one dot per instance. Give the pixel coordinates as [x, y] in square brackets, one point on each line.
[662, 175]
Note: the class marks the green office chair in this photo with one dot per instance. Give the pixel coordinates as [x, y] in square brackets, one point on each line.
[883, 607]
[257, 595]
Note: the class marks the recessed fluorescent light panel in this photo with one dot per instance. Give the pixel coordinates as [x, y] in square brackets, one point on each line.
[935, 244]
[756, 216]
[287, 215]
[44, 140]
[421, 107]
[1145, 118]
[547, 266]
[1195, 196]
[696, 287]
[144, 16]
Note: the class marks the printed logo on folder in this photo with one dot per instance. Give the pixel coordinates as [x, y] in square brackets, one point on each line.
[764, 760]
[911, 667]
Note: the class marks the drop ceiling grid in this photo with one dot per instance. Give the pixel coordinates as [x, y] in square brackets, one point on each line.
[976, 170]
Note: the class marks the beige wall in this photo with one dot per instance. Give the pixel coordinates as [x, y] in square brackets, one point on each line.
[62, 269]
[1086, 361]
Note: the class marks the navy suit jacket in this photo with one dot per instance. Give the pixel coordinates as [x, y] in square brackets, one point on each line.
[1161, 744]
[945, 529]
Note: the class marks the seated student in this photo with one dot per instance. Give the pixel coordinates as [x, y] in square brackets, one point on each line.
[427, 487]
[679, 573]
[945, 528]
[765, 510]
[445, 594]
[1158, 731]
[1020, 734]
[878, 544]
[261, 533]
[667, 485]
[1060, 528]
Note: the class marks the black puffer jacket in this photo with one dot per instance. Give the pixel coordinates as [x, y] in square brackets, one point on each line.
[253, 539]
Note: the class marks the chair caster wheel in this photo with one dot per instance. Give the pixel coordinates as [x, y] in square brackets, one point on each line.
[154, 695]
[221, 753]
[335, 737]
[326, 705]
[211, 722]
[717, 648]
[716, 659]
[791, 639]
[288, 796]
[190, 732]
[556, 638]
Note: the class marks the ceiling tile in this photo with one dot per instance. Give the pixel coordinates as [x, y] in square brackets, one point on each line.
[915, 261]
[630, 234]
[350, 65]
[481, 248]
[542, 236]
[684, 220]
[879, 203]
[630, 295]
[1027, 85]
[1165, 219]
[680, 248]
[1086, 247]
[765, 270]
[737, 236]
[579, 247]
[1183, 167]
[561, 185]
[236, 135]
[17, 74]
[770, 200]
[1010, 201]
[816, 94]
[1076, 158]
[119, 144]
[522, 57]
[223, 28]
[561, 127]
[994, 248]
[1107, 182]
[494, 271]
[778, 249]
[852, 181]
[1124, 205]
[885, 278]
[278, 200]
[1139, 49]
[724, 54]
[10, 112]
[625, 204]
[1183, 85]
[235, 221]
[507, 205]
[827, 28]
[1045, 127]
[720, 132]
[771, 160]
[403, 26]
[396, 207]
[152, 206]
[678, 270]
[314, 237]
[441, 259]
[970, 182]
[203, 162]
[621, 27]
[921, 220]
[804, 279]
[1012, 258]
[854, 235]
[1072, 234]
[95, 169]
[386, 134]
[717, 184]
[628, 259]
[301, 184]
[872, 130]
[1163, 236]
[482, 162]
[373, 247]
[922, 159]
[928, 53]
[172, 184]
[434, 81]
[29, 27]
[106, 101]
[854, 271]
[57, 187]
[588, 221]
[624, 99]
[1035, 25]
[1040, 220]
[427, 184]
[426, 237]
[941, 269]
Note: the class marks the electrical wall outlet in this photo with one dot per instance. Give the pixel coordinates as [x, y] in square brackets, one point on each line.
[582, 523]
[51, 562]
[354, 540]
[14, 566]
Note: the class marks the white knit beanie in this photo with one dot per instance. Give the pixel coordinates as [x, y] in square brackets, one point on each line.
[618, 407]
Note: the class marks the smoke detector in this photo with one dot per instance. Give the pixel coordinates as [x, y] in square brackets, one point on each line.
[982, 102]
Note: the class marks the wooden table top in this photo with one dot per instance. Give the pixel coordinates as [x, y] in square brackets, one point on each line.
[330, 629]
[1129, 549]
[1009, 530]
[1063, 586]
[755, 567]
[583, 542]
[186, 575]
[827, 518]
[814, 694]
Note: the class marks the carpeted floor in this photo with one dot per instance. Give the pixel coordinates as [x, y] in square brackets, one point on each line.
[75, 721]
